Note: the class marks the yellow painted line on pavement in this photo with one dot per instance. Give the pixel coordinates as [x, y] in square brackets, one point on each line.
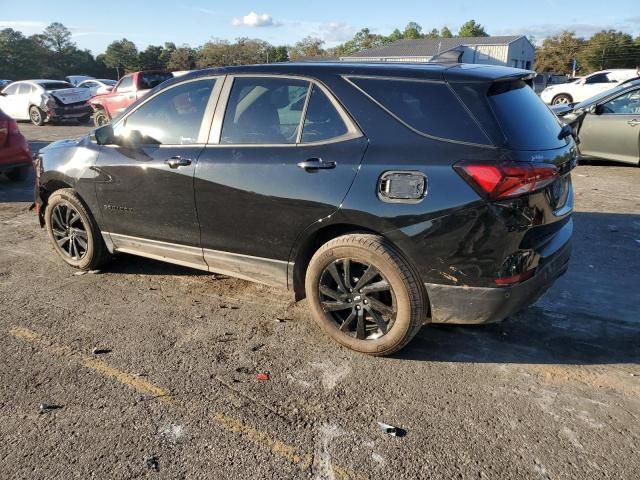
[92, 363]
[303, 460]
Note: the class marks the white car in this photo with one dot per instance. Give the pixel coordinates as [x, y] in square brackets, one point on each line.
[98, 86]
[587, 86]
[45, 100]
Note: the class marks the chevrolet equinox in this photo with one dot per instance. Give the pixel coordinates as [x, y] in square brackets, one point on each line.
[389, 196]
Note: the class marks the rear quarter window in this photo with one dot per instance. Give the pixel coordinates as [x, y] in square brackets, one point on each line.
[430, 108]
[527, 123]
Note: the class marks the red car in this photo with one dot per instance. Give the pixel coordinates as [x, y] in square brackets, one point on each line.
[15, 154]
[127, 90]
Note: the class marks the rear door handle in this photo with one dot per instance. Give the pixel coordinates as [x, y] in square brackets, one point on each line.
[316, 164]
[634, 122]
[177, 161]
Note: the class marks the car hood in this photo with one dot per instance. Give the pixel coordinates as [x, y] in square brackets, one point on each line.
[68, 143]
[71, 95]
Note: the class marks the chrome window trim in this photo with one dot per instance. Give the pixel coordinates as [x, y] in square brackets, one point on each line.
[353, 131]
[415, 130]
[205, 124]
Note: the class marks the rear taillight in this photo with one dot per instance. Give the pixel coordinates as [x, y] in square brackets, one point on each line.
[506, 180]
[520, 277]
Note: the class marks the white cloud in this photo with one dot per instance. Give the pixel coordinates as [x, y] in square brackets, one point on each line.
[335, 32]
[22, 24]
[254, 20]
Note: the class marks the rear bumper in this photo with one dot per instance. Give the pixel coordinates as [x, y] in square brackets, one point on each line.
[472, 305]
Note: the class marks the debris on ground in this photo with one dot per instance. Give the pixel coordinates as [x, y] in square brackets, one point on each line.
[391, 430]
[152, 462]
[100, 351]
[283, 319]
[94, 272]
[612, 228]
[46, 407]
[262, 376]
[80, 272]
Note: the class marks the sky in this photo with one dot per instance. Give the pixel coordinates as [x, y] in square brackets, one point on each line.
[96, 24]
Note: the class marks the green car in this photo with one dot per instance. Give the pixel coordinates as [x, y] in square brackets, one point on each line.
[607, 125]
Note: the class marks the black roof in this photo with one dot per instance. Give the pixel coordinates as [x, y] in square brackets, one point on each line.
[429, 47]
[436, 71]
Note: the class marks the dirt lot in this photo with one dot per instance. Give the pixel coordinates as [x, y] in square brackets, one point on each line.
[553, 392]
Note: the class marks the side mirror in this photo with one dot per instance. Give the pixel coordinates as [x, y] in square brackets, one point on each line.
[104, 135]
[595, 109]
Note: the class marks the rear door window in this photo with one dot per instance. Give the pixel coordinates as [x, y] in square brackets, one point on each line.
[431, 108]
[322, 121]
[526, 121]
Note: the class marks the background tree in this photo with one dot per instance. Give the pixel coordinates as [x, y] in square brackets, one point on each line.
[472, 29]
[122, 55]
[446, 33]
[182, 58]
[609, 49]
[20, 57]
[557, 52]
[433, 34]
[152, 58]
[307, 47]
[412, 31]
[279, 54]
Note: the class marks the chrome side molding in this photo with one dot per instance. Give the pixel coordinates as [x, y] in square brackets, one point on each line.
[255, 269]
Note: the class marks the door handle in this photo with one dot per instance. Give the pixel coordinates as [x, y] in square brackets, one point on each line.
[312, 164]
[177, 161]
[634, 122]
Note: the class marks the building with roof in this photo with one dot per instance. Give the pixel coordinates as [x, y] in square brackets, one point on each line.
[512, 51]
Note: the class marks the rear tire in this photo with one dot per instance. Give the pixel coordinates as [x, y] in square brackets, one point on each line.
[18, 174]
[73, 231]
[36, 115]
[562, 99]
[391, 304]
[100, 118]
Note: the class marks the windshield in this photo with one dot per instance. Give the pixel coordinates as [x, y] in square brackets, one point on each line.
[55, 85]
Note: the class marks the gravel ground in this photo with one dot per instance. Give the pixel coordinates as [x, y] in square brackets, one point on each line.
[553, 392]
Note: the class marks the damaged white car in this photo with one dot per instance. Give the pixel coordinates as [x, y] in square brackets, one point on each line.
[45, 101]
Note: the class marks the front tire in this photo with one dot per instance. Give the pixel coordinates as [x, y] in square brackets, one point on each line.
[36, 115]
[73, 231]
[562, 99]
[364, 295]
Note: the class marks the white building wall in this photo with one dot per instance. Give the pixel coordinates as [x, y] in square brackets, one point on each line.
[521, 52]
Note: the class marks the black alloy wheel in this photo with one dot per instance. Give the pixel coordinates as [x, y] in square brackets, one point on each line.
[69, 231]
[358, 298]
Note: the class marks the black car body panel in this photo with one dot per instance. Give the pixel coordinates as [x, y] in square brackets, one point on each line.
[254, 213]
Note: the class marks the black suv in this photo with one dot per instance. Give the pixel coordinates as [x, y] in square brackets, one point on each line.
[389, 195]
